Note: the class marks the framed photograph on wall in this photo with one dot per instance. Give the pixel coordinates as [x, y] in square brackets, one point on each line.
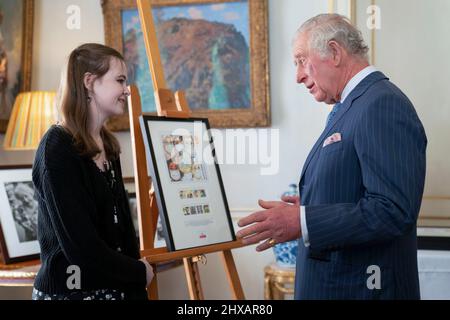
[188, 185]
[18, 215]
[216, 51]
[16, 45]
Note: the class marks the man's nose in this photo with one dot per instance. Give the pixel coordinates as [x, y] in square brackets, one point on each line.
[301, 76]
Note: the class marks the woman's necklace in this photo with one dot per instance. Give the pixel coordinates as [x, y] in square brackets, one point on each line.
[101, 162]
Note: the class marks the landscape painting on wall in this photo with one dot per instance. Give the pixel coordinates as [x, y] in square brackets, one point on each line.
[16, 39]
[189, 37]
[205, 49]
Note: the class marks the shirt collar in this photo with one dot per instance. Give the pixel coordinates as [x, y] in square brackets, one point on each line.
[357, 78]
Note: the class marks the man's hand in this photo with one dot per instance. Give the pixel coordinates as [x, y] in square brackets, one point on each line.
[279, 222]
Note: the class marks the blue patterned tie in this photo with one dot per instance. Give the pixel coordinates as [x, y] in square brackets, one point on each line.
[333, 112]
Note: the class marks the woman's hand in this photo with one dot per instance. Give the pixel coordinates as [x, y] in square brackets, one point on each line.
[149, 271]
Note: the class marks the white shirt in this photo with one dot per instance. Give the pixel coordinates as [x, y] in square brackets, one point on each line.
[357, 78]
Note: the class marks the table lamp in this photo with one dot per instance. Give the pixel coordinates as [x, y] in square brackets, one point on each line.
[33, 113]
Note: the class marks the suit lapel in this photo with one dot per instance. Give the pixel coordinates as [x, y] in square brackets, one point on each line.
[362, 87]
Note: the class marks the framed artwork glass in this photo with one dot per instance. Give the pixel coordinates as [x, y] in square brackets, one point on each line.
[16, 45]
[159, 241]
[18, 215]
[216, 51]
[188, 185]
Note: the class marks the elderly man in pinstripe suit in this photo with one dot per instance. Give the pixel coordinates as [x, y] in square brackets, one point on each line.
[362, 183]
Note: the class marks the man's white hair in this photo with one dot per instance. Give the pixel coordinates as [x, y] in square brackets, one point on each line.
[323, 28]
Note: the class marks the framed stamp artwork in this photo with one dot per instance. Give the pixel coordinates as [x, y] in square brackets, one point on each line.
[18, 215]
[188, 185]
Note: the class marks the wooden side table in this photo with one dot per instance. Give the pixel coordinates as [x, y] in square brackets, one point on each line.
[22, 274]
[278, 282]
[19, 274]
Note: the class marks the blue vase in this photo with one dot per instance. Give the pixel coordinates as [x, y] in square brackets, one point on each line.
[286, 253]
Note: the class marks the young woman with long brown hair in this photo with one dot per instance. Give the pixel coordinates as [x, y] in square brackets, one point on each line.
[87, 239]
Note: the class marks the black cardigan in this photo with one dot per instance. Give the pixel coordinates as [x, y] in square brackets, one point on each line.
[76, 223]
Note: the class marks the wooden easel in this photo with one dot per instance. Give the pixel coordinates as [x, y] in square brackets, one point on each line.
[168, 105]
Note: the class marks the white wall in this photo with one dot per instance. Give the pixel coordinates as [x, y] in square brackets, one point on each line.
[414, 54]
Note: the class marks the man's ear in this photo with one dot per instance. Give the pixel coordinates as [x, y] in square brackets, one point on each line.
[88, 81]
[336, 52]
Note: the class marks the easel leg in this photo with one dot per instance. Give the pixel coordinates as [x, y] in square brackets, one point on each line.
[193, 279]
[232, 275]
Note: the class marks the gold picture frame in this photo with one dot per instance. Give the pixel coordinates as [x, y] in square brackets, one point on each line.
[23, 55]
[257, 114]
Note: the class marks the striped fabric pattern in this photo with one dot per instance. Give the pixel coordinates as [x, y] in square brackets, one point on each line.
[362, 196]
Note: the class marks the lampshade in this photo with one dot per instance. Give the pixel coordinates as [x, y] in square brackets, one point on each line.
[33, 113]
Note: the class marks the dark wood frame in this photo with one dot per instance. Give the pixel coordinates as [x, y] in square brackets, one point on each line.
[4, 255]
[27, 52]
[259, 113]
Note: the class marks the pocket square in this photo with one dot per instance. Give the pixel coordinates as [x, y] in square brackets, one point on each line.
[335, 137]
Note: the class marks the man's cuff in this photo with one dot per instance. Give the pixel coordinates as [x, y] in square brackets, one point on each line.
[303, 226]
